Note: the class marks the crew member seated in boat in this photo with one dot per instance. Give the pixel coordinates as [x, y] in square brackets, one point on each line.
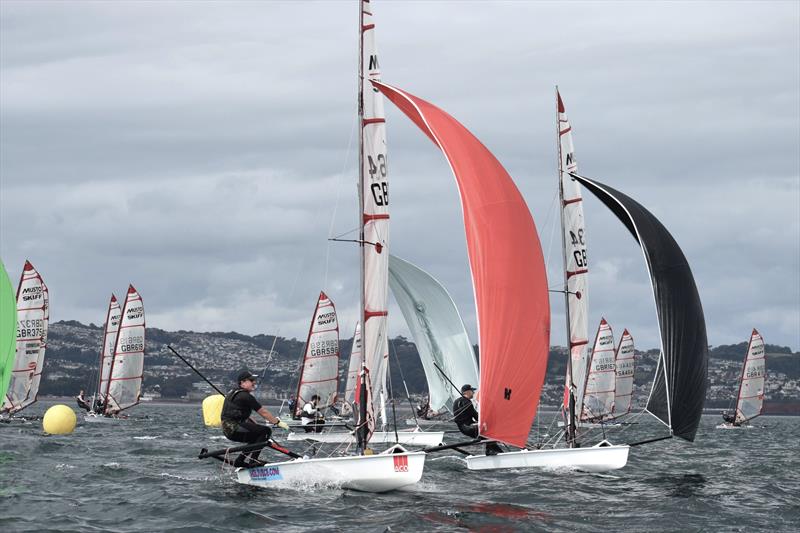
[310, 417]
[83, 403]
[424, 411]
[236, 422]
[99, 405]
[729, 417]
[466, 418]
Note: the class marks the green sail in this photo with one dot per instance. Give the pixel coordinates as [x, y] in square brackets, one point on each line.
[8, 329]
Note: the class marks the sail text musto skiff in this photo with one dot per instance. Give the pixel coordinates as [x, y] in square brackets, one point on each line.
[369, 473]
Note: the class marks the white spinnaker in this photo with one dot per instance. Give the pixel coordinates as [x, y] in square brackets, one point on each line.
[575, 263]
[353, 368]
[625, 368]
[33, 315]
[375, 212]
[319, 374]
[598, 399]
[751, 387]
[438, 331]
[109, 341]
[125, 385]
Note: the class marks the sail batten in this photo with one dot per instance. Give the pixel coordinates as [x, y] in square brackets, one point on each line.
[679, 388]
[127, 365]
[33, 317]
[508, 273]
[437, 329]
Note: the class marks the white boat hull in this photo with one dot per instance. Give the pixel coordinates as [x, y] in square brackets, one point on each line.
[595, 459]
[409, 438]
[726, 425]
[369, 473]
[94, 418]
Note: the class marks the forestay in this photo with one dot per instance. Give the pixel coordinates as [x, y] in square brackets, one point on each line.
[598, 400]
[625, 361]
[353, 368]
[437, 329]
[319, 373]
[751, 387]
[8, 329]
[109, 341]
[679, 389]
[374, 195]
[508, 274]
[125, 384]
[575, 263]
[33, 316]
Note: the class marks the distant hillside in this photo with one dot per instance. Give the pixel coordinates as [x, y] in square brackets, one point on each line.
[73, 356]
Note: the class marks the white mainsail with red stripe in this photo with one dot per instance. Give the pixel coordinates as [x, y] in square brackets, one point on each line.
[625, 362]
[127, 367]
[598, 398]
[319, 374]
[750, 400]
[109, 341]
[353, 368]
[575, 263]
[33, 316]
[374, 219]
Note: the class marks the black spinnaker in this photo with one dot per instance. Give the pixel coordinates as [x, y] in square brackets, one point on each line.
[679, 389]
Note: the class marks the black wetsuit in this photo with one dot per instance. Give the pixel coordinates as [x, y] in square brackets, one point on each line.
[466, 418]
[236, 423]
[83, 403]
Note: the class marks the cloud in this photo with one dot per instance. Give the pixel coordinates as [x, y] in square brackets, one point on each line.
[206, 152]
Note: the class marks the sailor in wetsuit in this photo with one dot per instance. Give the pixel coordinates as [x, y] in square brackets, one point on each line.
[310, 417]
[236, 422]
[466, 418]
[83, 403]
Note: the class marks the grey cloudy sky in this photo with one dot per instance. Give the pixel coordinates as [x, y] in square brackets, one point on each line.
[204, 151]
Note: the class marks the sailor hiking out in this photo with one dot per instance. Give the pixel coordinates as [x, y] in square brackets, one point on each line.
[466, 418]
[236, 422]
[83, 403]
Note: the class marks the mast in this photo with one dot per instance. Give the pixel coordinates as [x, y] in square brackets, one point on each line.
[570, 380]
[363, 430]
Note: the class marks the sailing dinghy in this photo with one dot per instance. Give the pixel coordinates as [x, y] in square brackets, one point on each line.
[110, 328]
[395, 467]
[750, 398]
[598, 396]
[625, 366]
[33, 317]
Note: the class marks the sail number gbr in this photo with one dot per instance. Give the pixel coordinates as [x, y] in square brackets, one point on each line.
[377, 171]
[580, 254]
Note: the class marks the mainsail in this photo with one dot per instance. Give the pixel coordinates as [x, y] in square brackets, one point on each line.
[576, 267]
[679, 389]
[110, 328]
[353, 368]
[625, 361]
[374, 215]
[598, 399]
[33, 316]
[8, 329]
[319, 373]
[508, 273]
[437, 329]
[751, 387]
[127, 367]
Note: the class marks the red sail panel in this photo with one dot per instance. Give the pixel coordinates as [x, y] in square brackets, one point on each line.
[508, 273]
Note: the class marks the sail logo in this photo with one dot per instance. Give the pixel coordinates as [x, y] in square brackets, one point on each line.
[757, 350]
[605, 341]
[400, 463]
[507, 394]
[266, 473]
[373, 62]
[135, 312]
[327, 318]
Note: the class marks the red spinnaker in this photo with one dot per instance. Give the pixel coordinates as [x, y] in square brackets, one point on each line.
[508, 273]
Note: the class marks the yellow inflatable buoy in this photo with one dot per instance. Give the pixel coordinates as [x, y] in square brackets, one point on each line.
[59, 420]
[212, 410]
